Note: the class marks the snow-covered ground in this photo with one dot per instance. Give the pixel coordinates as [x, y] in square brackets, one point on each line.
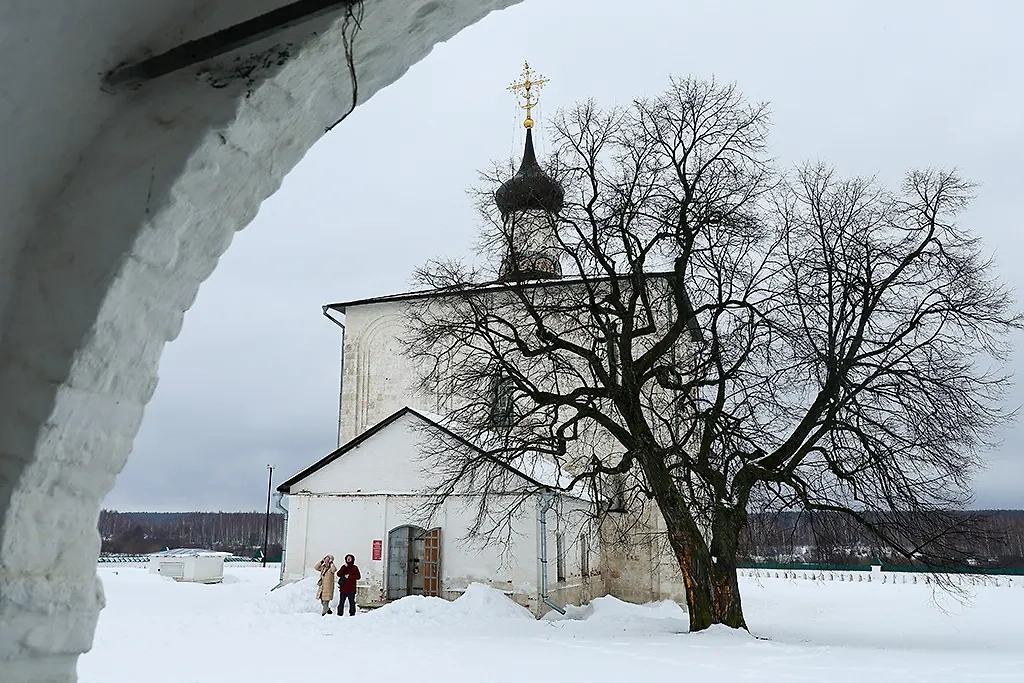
[158, 631]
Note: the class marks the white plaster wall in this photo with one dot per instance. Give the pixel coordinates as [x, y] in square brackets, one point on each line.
[572, 518]
[115, 209]
[669, 583]
[373, 488]
[510, 567]
[295, 542]
[638, 564]
[390, 460]
[342, 524]
[377, 378]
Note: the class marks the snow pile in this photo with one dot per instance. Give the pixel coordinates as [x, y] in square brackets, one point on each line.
[293, 598]
[610, 608]
[413, 607]
[665, 616]
[478, 604]
[483, 600]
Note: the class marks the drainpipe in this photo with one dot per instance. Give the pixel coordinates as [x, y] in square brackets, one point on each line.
[545, 505]
[279, 504]
[341, 380]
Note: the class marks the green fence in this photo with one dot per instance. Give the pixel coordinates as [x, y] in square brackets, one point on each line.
[989, 571]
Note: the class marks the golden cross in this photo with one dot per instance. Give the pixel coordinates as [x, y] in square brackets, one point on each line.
[528, 85]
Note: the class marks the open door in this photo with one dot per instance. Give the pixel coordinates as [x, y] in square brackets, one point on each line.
[432, 563]
[414, 562]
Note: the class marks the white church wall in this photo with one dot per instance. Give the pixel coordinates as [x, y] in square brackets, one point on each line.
[511, 566]
[339, 524]
[295, 542]
[638, 564]
[375, 487]
[669, 584]
[387, 462]
[571, 519]
[377, 379]
[336, 525]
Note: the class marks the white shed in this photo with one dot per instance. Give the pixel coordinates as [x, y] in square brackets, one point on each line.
[189, 564]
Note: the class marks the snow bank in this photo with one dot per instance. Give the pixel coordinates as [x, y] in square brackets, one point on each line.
[665, 616]
[293, 598]
[483, 600]
[834, 632]
[610, 608]
[479, 604]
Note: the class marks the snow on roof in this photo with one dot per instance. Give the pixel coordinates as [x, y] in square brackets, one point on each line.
[188, 552]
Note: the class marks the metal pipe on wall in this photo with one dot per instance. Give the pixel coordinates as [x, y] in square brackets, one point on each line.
[341, 376]
[545, 505]
[279, 504]
[266, 523]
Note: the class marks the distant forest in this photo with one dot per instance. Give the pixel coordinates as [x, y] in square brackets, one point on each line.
[997, 540]
[239, 533]
[787, 537]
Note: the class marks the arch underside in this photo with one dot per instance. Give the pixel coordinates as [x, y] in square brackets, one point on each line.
[116, 208]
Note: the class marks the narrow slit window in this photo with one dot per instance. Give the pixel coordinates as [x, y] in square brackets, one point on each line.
[559, 558]
[502, 401]
[584, 555]
[612, 351]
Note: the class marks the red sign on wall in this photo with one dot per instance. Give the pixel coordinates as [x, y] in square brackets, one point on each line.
[378, 549]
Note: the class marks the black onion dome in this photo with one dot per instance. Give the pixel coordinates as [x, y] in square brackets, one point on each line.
[530, 188]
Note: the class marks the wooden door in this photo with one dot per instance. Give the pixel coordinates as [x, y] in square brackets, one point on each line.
[432, 563]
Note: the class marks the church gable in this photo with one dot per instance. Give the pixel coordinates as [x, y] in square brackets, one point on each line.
[383, 459]
[387, 459]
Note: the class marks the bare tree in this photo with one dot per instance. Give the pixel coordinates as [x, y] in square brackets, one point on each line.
[727, 338]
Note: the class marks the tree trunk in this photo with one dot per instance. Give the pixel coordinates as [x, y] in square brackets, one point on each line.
[727, 525]
[709, 574]
[709, 570]
[695, 564]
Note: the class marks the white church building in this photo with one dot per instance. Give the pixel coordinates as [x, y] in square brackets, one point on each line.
[367, 497]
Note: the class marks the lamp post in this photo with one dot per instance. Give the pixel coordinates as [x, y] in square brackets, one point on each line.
[266, 524]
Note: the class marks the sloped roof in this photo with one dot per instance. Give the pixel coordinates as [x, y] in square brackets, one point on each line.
[540, 466]
[695, 332]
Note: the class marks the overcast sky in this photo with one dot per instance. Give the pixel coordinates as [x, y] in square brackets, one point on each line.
[873, 88]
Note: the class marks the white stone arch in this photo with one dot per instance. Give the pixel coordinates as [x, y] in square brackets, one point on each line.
[115, 208]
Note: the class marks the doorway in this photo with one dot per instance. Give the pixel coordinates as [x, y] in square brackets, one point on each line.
[414, 562]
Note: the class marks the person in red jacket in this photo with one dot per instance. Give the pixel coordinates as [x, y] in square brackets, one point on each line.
[349, 574]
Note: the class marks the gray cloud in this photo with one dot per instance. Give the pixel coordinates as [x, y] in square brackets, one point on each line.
[870, 88]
